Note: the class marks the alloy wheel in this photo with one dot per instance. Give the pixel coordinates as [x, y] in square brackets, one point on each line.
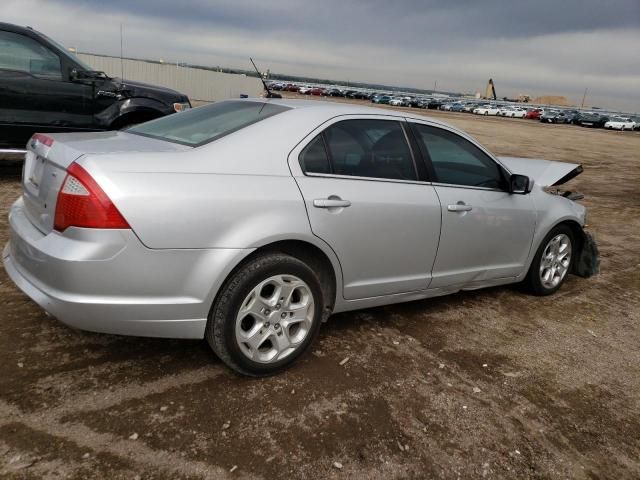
[555, 261]
[275, 318]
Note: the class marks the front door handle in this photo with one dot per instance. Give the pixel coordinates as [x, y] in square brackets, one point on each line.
[331, 203]
[459, 207]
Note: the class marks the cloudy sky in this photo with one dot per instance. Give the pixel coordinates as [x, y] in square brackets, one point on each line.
[554, 47]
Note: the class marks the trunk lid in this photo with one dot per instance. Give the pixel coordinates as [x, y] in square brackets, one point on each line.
[544, 172]
[47, 159]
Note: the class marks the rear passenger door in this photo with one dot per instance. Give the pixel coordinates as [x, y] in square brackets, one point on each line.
[368, 199]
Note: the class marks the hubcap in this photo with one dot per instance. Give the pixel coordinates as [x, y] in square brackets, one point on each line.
[275, 318]
[555, 261]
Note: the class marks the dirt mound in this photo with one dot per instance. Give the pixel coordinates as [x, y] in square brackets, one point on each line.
[552, 100]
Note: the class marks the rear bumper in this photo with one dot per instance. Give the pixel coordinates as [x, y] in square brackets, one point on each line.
[107, 281]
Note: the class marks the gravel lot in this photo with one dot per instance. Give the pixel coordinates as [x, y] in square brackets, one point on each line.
[492, 383]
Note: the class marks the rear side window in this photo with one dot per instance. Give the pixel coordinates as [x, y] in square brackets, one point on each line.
[314, 159]
[202, 125]
[18, 52]
[457, 161]
[370, 148]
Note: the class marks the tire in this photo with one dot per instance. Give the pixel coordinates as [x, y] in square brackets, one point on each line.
[541, 264]
[229, 323]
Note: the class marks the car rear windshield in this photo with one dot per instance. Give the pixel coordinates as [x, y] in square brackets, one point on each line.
[202, 125]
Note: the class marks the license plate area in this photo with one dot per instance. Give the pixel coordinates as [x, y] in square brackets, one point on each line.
[33, 171]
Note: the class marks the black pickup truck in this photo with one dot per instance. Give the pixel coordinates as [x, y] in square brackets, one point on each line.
[44, 88]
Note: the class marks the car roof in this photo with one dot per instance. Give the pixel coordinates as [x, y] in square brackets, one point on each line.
[10, 27]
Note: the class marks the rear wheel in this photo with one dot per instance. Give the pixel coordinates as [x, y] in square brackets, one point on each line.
[266, 315]
[552, 262]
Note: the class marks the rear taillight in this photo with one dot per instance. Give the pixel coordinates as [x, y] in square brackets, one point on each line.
[82, 203]
[43, 139]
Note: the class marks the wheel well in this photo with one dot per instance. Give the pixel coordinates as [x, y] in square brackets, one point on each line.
[133, 118]
[315, 258]
[578, 235]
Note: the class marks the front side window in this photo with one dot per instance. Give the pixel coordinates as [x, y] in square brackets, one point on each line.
[370, 148]
[18, 52]
[202, 125]
[457, 161]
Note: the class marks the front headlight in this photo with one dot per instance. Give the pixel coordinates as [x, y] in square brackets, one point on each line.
[181, 106]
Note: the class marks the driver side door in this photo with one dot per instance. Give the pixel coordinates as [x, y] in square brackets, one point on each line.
[486, 231]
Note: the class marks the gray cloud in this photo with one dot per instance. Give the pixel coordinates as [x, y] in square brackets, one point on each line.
[538, 47]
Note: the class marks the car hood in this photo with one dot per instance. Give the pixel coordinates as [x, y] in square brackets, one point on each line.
[544, 172]
[139, 89]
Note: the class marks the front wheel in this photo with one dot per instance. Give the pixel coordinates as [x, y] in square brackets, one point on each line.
[266, 315]
[552, 262]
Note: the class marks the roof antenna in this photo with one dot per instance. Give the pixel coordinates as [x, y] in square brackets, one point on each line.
[270, 94]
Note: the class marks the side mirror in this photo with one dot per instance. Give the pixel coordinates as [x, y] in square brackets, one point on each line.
[520, 184]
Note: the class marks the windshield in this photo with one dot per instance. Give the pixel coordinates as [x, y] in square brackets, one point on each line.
[66, 52]
[205, 124]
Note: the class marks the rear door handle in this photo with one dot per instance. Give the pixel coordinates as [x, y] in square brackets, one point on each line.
[331, 203]
[459, 207]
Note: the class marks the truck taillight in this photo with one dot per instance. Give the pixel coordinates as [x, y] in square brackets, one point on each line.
[82, 203]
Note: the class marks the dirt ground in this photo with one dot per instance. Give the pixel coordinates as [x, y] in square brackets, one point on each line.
[486, 384]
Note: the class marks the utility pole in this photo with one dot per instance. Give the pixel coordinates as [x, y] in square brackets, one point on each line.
[121, 61]
[583, 99]
[435, 85]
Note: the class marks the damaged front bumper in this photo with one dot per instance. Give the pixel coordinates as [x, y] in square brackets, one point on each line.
[587, 262]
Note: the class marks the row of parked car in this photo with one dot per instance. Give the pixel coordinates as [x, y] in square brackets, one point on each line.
[374, 97]
[595, 119]
[555, 115]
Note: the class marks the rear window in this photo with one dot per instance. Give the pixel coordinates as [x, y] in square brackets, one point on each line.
[202, 125]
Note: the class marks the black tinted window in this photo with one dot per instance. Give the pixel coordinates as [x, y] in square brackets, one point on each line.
[18, 52]
[205, 124]
[314, 159]
[370, 148]
[456, 160]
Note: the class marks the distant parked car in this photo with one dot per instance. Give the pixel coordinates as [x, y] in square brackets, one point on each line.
[534, 113]
[593, 120]
[434, 104]
[396, 101]
[382, 99]
[549, 116]
[457, 107]
[43, 88]
[621, 123]
[317, 91]
[304, 90]
[332, 92]
[470, 107]
[486, 110]
[555, 116]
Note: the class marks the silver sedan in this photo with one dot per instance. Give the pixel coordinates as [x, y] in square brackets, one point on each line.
[249, 222]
